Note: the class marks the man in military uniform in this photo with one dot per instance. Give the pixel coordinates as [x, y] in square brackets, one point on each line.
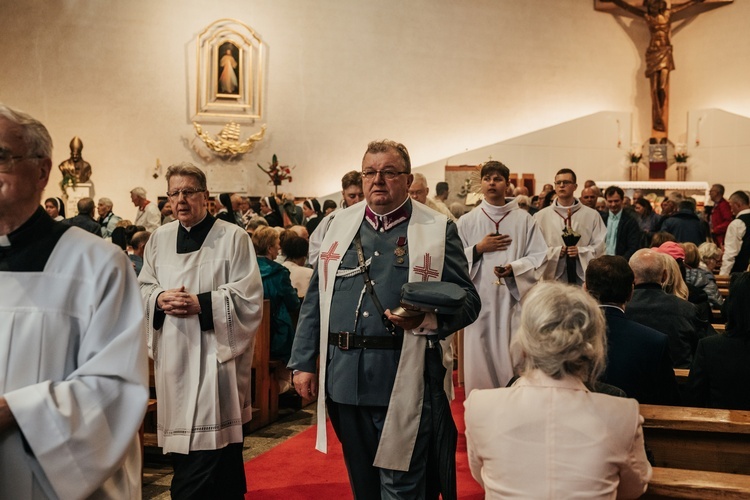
[375, 382]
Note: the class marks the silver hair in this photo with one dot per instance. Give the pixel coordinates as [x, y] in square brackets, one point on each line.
[562, 332]
[34, 134]
[187, 169]
[419, 178]
[106, 202]
[647, 266]
[139, 192]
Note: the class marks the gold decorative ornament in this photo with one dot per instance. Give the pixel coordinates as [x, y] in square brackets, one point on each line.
[227, 144]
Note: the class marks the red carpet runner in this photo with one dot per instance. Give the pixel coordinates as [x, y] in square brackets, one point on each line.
[295, 470]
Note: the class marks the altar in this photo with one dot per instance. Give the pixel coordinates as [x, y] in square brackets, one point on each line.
[697, 189]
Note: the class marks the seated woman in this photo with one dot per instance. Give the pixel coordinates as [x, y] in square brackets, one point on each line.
[277, 288]
[295, 248]
[710, 256]
[720, 373]
[547, 435]
[700, 278]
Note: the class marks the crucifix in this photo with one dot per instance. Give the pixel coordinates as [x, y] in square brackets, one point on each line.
[659, 15]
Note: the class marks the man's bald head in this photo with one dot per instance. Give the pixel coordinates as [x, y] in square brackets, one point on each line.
[647, 266]
[588, 197]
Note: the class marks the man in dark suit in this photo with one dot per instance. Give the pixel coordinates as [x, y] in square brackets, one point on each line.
[638, 359]
[623, 232]
[85, 218]
[653, 307]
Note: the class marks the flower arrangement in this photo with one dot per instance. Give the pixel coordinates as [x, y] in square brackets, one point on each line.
[681, 156]
[277, 173]
[634, 156]
[68, 181]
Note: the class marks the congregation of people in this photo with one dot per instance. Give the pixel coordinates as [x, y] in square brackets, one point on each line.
[575, 305]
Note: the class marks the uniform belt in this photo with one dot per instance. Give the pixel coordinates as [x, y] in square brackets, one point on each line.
[346, 341]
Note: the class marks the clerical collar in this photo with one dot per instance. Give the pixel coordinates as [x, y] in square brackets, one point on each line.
[510, 204]
[564, 210]
[198, 224]
[390, 220]
[612, 306]
[191, 239]
[28, 248]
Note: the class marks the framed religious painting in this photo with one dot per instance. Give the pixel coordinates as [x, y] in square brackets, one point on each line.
[230, 65]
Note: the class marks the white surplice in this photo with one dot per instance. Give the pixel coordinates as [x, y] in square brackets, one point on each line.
[585, 221]
[74, 374]
[203, 377]
[488, 361]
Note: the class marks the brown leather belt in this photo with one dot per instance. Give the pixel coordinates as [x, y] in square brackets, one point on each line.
[346, 341]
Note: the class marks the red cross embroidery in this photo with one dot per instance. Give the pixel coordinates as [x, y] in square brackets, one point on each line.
[326, 257]
[425, 271]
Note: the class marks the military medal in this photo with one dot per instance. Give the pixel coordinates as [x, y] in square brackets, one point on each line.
[400, 250]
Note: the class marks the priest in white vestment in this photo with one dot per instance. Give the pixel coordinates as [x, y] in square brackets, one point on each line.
[567, 211]
[203, 294]
[504, 248]
[74, 369]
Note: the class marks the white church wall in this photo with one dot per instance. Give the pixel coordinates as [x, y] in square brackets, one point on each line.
[442, 77]
[719, 143]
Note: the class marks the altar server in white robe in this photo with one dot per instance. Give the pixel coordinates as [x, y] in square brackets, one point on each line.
[73, 366]
[566, 210]
[504, 248]
[203, 294]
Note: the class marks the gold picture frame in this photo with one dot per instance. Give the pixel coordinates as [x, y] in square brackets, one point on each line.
[230, 66]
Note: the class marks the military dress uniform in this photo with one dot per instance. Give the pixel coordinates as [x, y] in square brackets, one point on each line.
[359, 381]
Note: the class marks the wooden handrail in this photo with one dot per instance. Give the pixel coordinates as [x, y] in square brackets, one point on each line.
[704, 485]
[684, 418]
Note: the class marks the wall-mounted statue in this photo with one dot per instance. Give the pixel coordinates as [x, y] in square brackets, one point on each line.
[76, 167]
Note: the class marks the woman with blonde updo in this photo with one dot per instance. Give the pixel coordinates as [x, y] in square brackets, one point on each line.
[547, 435]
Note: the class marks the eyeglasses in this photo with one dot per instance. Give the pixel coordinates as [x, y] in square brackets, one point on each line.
[8, 159]
[563, 183]
[187, 193]
[388, 175]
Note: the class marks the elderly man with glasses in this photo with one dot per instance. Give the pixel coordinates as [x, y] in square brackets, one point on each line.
[74, 370]
[381, 374]
[568, 214]
[203, 294]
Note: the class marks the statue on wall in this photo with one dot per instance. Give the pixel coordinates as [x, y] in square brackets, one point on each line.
[76, 168]
[659, 62]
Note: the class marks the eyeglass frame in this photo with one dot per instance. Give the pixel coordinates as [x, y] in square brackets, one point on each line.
[386, 174]
[187, 193]
[563, 183]
[11, 160]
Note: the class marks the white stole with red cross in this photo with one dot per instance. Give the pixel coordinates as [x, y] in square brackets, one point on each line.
[426, 253]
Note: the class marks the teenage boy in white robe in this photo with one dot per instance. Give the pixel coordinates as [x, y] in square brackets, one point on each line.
[504, 248]
[73, 366]
[566, 210]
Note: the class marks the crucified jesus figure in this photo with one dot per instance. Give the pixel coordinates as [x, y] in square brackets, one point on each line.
[659, 62]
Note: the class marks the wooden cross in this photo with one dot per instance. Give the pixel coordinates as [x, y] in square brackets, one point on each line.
[425, 271]
[327, 257]
[659, 15]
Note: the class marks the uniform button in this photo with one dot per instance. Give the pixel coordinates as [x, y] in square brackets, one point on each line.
[376, 253]
[366, 314]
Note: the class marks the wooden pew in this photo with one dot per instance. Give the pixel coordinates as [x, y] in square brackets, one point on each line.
[265, 405]
[703, 485]
[681, 374]
[698, 438]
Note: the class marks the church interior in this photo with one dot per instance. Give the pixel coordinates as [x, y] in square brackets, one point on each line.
[536, 84]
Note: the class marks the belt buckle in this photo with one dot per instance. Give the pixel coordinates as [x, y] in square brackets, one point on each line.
[344, 341]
